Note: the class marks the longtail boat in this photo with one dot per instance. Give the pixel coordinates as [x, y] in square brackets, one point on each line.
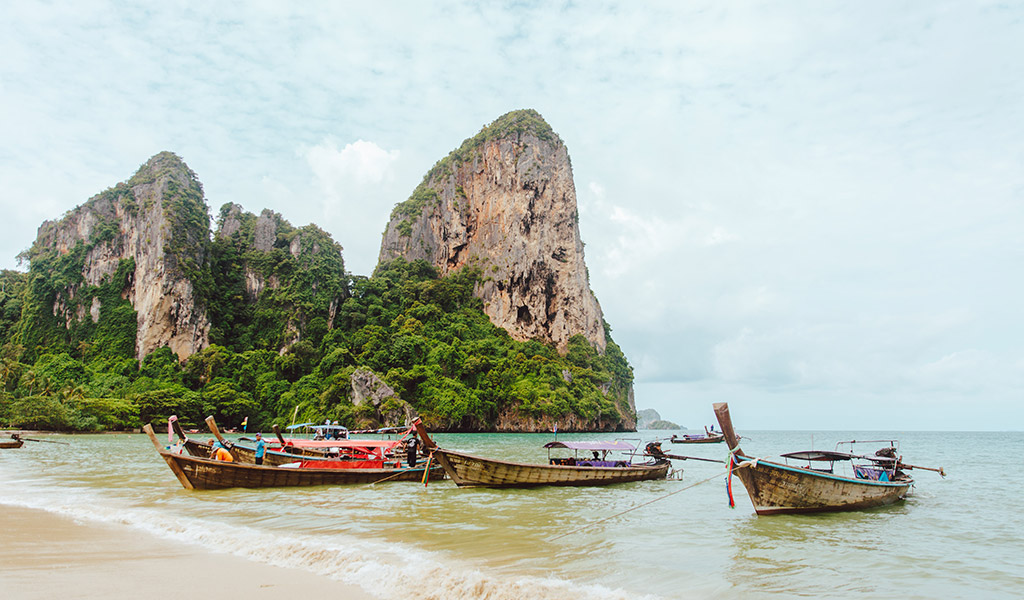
[241, 454]
[197, 473]
[708, 437]
[467, 470]
[14, 442]
[778, 488]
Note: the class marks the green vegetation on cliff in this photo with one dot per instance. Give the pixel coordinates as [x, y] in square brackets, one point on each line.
[290, 328]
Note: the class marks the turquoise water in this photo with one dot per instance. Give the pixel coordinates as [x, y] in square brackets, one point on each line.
[958, 537]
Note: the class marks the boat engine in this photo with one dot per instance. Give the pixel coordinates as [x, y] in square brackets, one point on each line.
[654, 449]
[886, 452]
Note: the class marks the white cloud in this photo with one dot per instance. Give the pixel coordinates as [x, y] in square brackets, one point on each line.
[360, 163]
[356, 186]
[815, 197]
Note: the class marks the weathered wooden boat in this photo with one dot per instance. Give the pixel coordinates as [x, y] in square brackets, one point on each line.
[777, 488]
[14, 442]
[197, 473]
[467, 470]
[241, 454]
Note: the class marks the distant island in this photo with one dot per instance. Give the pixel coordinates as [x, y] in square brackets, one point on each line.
[649, 418]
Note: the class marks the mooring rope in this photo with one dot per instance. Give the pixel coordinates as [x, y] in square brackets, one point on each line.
[402, 472]
[692, 485]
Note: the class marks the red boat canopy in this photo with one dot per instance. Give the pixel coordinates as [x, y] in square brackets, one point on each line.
[615, 445]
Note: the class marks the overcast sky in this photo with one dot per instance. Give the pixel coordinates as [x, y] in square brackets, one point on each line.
[811, 210]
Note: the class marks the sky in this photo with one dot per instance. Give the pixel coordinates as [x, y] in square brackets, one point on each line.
[811, 210]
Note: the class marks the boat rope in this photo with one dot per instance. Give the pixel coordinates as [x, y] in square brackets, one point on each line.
[389, 477]
[401, 472]
[673, 493]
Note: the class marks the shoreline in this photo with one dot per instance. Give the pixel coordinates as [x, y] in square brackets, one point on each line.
[43, 553]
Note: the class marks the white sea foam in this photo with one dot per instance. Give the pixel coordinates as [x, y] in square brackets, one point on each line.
[390, 568]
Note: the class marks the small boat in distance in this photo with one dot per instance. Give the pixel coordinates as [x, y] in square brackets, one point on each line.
[14, 442]
[779, 488]
[467, 470]
[708, 437]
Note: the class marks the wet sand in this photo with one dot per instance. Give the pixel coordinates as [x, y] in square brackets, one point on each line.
[45, 555]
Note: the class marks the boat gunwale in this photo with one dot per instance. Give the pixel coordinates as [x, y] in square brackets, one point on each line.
[252, 466]
[548, 465]
[755, 462]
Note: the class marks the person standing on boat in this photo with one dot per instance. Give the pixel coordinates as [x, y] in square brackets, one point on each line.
[410, 450]
[261, 448]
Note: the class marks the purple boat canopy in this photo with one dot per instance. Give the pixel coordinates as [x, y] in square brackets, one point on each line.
[615, 445]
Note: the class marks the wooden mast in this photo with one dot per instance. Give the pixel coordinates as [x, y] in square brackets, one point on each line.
[725, 421]
[428, 443]
[175, 468]
[280, 438]
[212, 424]
[215, 430]
[178, 431]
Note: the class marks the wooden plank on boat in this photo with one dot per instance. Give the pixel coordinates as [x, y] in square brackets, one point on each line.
[175, 468]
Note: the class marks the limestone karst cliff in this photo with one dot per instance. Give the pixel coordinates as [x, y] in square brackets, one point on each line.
[276, 284]
[133, 310]
[505, 202]
[147, 237]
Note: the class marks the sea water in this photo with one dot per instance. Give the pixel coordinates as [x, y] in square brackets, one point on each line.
[957, 537]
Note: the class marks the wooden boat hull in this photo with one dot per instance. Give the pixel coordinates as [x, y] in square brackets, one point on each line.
[10, 444]
[776, 488]
[196, 473]
[473, 471]
[780, 489]
[711, 440]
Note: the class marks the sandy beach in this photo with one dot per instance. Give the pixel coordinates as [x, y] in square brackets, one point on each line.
[44, 554]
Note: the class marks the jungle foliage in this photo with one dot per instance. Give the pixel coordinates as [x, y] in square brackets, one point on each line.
[287, 350]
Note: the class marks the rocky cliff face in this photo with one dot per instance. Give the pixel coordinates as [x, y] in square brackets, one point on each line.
[158, 220]
[296, 274]
[505, 202]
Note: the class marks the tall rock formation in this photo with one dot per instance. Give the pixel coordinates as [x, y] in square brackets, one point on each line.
[157, 226]
[290, 281]
[505, 202]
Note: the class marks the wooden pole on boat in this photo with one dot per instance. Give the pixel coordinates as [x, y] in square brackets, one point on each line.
[680, 457]
[426, 469]
[175, 468]
[725, 421]
[215, 430]
[25, 439]
[428, 443]
[178, 431]
[903, 465]
[212, 424]
[277, 432]
[899, 464]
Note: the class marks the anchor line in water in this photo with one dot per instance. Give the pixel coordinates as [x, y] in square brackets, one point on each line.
[385, 479]
[692, 485]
